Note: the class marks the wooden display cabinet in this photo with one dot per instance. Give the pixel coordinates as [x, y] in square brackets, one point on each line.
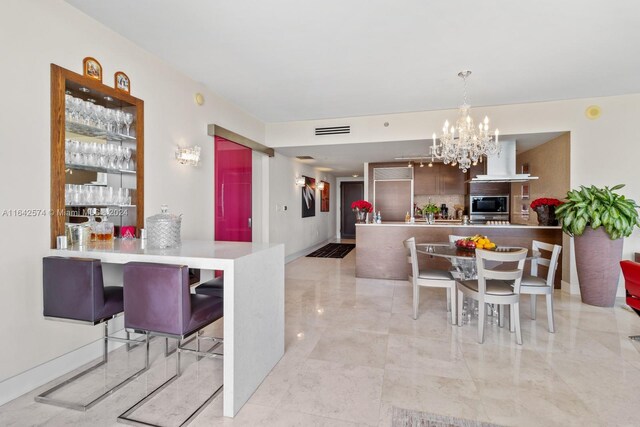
[65, 171]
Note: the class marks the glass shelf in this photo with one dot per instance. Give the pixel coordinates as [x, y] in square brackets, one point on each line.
[98, 169]
[95, 132]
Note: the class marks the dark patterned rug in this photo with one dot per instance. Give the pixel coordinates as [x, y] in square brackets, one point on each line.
[408, 418]
[333, 250]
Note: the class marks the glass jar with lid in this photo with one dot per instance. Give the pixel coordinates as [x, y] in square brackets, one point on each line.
[163, 229]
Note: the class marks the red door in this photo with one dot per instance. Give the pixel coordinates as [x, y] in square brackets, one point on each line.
[233, 191]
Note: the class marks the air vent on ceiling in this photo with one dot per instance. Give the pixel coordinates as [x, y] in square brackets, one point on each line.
[304, 157]
[392, 174]
[333, 130]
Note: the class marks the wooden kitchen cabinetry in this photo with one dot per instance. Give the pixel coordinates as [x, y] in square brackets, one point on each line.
[440, 179]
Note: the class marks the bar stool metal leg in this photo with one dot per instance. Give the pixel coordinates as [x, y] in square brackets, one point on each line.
[45, 396]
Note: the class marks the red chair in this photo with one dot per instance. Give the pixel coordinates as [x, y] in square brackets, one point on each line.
[631, 271]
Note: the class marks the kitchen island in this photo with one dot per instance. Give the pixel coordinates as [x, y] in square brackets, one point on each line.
[253, 300]
[380, 253]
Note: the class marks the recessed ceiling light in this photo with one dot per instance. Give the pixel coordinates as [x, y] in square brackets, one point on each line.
[84, 89]
[108, 98]
[355, 175]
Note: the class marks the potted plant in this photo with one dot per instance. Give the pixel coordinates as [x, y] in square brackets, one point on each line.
[361, 208]
[598, 219]
[429, 211]
[546, 210]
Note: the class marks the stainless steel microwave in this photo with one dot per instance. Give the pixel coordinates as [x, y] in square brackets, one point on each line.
[488, 205]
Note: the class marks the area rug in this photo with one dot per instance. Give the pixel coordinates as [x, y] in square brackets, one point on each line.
[333, 250]
[408, 418]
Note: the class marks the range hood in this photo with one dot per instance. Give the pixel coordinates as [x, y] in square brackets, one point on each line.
[502, 167]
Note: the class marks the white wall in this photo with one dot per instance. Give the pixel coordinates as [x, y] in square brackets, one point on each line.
[34, 34]
[603, 151]
[288, 226]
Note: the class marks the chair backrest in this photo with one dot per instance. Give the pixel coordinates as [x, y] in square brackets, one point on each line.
[72, 288]
[551, 263]
[156, 297]
[631, 272]
[412, 257]
[486, 273]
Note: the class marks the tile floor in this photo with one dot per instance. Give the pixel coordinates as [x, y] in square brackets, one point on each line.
[353, 352]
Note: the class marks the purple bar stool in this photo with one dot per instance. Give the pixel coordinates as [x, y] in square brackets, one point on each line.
[73, 291]
[157, 300]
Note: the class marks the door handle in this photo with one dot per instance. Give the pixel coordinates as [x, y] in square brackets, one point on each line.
[249, 222]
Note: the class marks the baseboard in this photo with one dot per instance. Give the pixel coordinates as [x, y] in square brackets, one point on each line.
[294, 256]
[33, 378]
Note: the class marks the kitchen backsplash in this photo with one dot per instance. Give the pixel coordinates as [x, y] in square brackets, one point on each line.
[450, 201]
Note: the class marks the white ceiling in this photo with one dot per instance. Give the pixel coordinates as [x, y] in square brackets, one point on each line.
[284, 60]
[348, 159]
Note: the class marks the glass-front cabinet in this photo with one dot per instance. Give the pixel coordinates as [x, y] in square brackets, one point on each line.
[97, 156]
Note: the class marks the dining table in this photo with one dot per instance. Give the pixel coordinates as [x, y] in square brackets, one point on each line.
[464, 259]
[464, 262]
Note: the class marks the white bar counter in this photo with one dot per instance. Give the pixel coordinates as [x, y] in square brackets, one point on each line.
[253, 301]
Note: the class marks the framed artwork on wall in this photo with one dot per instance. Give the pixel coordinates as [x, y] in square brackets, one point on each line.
[122, 82]
[324, 197]
[309, 197]
[525, 192]
[525, 168]
[92, 68]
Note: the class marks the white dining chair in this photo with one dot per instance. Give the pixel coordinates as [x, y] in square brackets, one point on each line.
[434, 278]
[534, 285]
[494, 287]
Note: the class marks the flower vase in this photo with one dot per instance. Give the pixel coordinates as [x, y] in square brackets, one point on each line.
[361, 216]
[546, 215]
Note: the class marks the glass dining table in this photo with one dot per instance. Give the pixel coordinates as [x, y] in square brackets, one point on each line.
[464, 262]
[462, 259]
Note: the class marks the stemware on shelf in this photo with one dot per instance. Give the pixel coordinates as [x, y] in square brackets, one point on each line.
[128, 119]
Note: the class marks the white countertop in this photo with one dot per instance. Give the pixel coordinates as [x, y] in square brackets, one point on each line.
[192, 252]
[449, 225]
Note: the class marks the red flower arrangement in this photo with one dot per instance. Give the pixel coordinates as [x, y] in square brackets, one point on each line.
[362, 205]
[545, 202]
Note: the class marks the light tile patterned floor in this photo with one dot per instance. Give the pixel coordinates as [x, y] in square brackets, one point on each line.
[353, 352]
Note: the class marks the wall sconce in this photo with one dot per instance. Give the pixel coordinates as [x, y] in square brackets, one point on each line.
[300, 181]
[188, 155]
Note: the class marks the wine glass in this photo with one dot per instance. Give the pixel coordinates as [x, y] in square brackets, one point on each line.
[128, 119]
[119, 118]
[127, 156]
[120, 157]
[99, 116]
[109, 118]
[76, 108]
[68, 106]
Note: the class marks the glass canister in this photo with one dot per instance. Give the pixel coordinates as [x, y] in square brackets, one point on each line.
[163, 229]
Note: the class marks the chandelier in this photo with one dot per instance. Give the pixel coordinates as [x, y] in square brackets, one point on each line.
[463, 143]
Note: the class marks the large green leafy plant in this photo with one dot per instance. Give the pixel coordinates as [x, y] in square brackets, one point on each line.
[595, 207]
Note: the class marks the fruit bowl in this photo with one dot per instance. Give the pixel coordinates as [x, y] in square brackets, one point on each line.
[475, 242]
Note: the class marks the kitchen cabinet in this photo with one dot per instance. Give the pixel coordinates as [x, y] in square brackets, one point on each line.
[425, 180]
[91, 141]
[451, 180]
[440, 179]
